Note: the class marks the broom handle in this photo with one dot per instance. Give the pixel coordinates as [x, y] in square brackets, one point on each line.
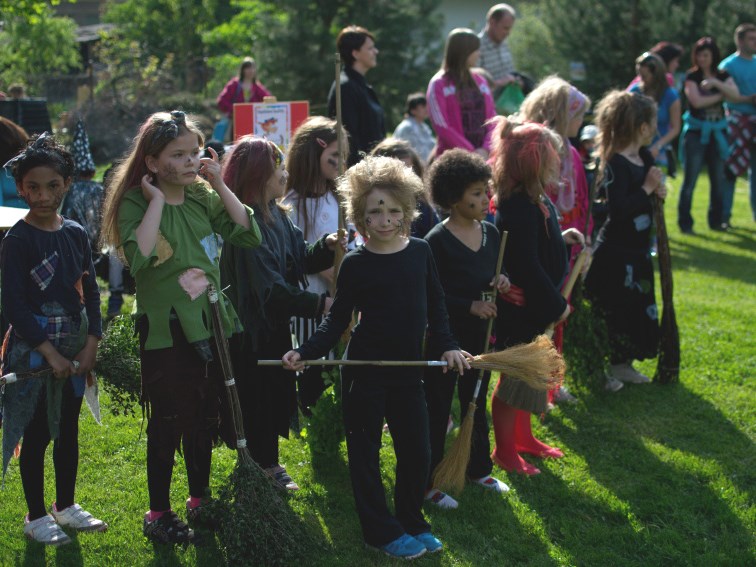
[338, 253]
[571, 280]
[351, 362]
[489, 330]
[13, 377]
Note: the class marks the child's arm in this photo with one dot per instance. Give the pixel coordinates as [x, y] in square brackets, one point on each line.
[61, 366]
[147, 231]
[624, 200]
[211, 170]
[318, 256]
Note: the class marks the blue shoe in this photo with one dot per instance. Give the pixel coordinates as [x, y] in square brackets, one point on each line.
[432, 543]
[404, 547]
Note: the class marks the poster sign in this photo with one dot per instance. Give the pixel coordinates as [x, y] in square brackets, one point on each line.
[276, 121]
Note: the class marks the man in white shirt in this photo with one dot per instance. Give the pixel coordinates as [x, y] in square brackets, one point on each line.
[495, 56]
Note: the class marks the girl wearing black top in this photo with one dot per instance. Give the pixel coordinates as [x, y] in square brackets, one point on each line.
[393, 283]
[536, 260]
[621, 279]
[465, 248]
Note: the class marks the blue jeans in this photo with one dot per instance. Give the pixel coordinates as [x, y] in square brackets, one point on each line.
[728, 190]
[696, 154]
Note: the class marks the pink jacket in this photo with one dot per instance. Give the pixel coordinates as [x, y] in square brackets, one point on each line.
[446, 115]
[233, 92]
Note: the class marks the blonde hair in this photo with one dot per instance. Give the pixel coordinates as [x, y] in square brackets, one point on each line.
[387, 174]
[159, 130]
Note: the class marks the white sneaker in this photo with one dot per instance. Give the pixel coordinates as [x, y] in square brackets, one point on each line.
[77, 518]
[45, 530]
[563, 396]
[613, 385]
[492, 483]
[441, 499]
[626, 373]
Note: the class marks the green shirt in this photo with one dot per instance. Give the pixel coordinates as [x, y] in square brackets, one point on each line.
[186, 241]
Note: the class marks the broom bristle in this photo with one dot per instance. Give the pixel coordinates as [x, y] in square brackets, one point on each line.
[450, 473]
[538, 363]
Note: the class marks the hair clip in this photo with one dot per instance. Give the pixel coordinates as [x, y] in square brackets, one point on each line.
[321, 143]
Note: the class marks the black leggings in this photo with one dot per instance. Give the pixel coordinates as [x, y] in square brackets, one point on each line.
[65, 453]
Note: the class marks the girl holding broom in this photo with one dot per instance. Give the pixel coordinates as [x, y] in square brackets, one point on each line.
[51, 300]
[527, 163]
[265, 285]
[621, 279]
[465, 248]
[164, 220]
[393, 282]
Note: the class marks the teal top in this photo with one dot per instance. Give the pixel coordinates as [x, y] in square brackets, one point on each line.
[743, 72]
[174, 276]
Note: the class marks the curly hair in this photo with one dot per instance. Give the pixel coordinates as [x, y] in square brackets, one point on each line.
[452, 173]
[387, 174]
[42, 151]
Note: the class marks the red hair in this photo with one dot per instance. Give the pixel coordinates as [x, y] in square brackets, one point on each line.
[247, 169]
[528, 160]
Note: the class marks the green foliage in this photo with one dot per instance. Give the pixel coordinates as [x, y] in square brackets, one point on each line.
[255, 525]
[30, 10]
[586, 343]
[118, 365]
[533, 47]
[35, 45]
[325, 430]
[294, 42]
[608, 36]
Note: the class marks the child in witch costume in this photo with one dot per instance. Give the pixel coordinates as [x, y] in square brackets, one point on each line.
[264, 287]
[621, 279]
[465, 248]
[51, 300]
[392, 281]
[164, 220]
[536, 261]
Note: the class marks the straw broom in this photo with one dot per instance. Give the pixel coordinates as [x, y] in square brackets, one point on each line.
[668, 363]
[249, 503]
[451, 472]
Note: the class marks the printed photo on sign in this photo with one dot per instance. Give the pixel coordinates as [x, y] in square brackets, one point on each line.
[272, 122]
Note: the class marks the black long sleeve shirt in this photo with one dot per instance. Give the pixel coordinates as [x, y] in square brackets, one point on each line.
[397, 295]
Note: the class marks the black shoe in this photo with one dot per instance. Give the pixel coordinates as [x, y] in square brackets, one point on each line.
[168, 529]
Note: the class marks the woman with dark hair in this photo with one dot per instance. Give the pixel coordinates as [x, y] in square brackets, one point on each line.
[653, 83]
[13, 139]
[244, 88]
[704, 138]
[361, 112]
[670, 53]
[460, 100]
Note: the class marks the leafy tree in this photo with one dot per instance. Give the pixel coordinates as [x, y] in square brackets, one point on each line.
[533, 47]
[32, 48]
[294, 42]
[32, 10]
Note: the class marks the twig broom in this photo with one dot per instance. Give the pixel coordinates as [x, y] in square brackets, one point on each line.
[451, 472]
[668, 363]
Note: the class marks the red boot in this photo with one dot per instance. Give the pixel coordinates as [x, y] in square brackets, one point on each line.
[504, 453]
[525, 442]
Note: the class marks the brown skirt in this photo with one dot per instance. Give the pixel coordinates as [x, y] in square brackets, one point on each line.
[519, 395]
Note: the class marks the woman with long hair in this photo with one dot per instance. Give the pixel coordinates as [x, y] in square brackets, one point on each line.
[459, 99]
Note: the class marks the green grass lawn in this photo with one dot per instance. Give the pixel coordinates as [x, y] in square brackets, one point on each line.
[653, 475]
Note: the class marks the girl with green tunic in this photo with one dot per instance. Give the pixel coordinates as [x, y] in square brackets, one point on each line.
[163, 220]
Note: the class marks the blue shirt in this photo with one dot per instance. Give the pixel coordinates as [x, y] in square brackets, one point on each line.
[662, 113]
[743, 72]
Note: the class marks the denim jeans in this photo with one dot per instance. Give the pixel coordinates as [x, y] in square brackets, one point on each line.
[728, 190]
[696, 154]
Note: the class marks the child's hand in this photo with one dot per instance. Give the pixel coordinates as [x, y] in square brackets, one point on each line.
[292, 360]
[211, 170]
[149, 190]
[501, 283]
[62, 367]
[573, 236]
[456, 360]
[332, 241]
[87, 356]
[653, 180]
[483, 309]
[661, 191]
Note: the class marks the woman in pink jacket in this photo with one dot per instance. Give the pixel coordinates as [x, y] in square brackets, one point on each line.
[244, 88]
[459, 100]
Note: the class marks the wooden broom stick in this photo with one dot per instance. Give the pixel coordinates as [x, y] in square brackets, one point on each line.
[339, 253]
[571, 281]
[451, 472]
[13, 377]
[668, 363]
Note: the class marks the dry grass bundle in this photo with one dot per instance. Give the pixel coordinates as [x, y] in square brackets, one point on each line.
[537, 363]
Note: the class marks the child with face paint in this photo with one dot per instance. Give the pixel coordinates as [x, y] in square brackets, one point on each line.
[465, 249]
[267, 285]
[312, 163]
[527, 163]
[393, 282]
[163, 221]
[51, 300]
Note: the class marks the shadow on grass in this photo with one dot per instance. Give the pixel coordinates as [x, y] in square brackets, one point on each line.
[687, 254]
[664, 510]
